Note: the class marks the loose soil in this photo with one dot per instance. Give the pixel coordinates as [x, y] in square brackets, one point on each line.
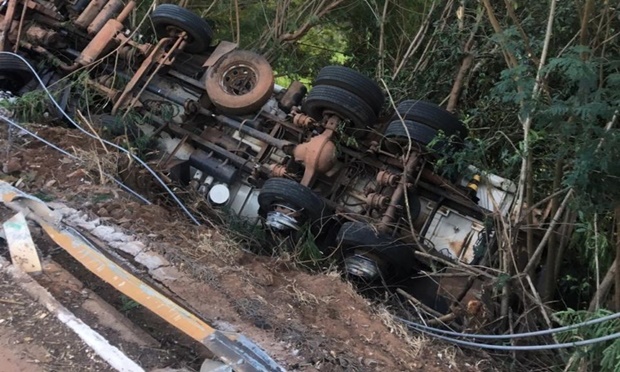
[32, 339]
[305, 320]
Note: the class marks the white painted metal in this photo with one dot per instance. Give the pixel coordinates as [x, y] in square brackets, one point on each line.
[21, 246]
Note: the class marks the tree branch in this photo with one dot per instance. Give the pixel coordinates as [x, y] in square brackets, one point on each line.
[466, 64]
[526, 40]
[617, 289]
[511, 60]
[290, 37]
[416, 42]
[380, 66]
[541, 246]
[605, 286]
[527, 121]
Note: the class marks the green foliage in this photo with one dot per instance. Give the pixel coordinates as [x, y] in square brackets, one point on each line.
[98, 197]
[244, 230]
[43, 196]
[603, 356]
[127, 304]
[590, 246]
[306, 251]
[30, 107]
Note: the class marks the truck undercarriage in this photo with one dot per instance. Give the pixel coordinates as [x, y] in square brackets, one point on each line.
[290, 158]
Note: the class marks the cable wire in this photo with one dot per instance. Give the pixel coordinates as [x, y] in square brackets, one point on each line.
[137, 159]
[457, 341]
[514, 335]
[64, 152]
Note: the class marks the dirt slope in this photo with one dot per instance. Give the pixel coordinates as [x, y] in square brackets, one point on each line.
[32, 340]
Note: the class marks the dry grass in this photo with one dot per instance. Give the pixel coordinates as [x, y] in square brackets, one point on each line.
[416, 343]
[303, 297]
[214, 244]
[100, 164]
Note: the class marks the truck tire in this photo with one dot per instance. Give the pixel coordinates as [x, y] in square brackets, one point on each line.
[14, 73]
[345, 104]
[353, 82]
[431, 115]
[240, 82]
[169, 19]
[398, 134]
[391, 257]
[291, 193]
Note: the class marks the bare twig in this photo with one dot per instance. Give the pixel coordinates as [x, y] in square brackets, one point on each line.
[444, 319]
[527, 120]
[416, 42]
[566, 231]
[415, 302]
[511, 60]
[463, 267]
[7, 301]
[605, 286]
[19, 28]
[548, 288]
[585, 19]
[380, 63]
[526, 40]
[617, 261]
[539, 302]
[541, 246]
[301, 31]
[596, 261]
[466, 64]
[87, 122]
[238, 35]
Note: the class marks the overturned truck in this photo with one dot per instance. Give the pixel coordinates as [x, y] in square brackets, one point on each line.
[291, 158]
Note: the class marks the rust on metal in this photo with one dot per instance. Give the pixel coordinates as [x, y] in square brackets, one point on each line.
[126, 11]
[44, 10]
[6, 26]
[377, 201]
[319, 154]
[88, 15]
[390, 213]
[50, 56]
[108, 12]
[100, 42]
[387, 178]
[161, 55]
[43, 36]
[278, 170]
[105, 36]
[303, 120]
[223, 47]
